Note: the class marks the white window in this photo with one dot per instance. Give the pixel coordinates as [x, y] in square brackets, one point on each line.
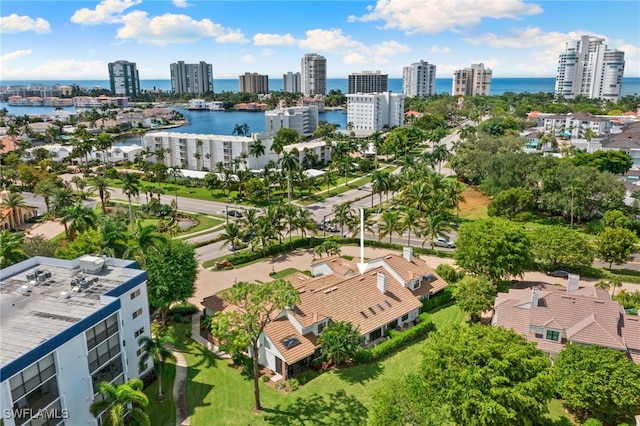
[135, 294]
[137, 313]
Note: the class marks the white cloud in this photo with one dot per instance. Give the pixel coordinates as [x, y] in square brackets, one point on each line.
[11, 56]
[328, 41]
[527, 38]
[434, 16]
[354, 58]
[180, 3]
[247, 59]
[267, 52]
[63, 69]
[389, 48]
[273, 39]
[16, 24]
[107, 11]
[436, 49]
[173, 28]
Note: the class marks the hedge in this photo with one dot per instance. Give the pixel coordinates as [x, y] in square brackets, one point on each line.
[184, 309]
[438, 299]
[398, 341]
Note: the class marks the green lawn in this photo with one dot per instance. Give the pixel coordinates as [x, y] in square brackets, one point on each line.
[162, 413]
[447, 315]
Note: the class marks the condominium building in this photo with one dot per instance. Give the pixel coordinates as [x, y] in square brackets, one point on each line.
[198, 151]
[313, 74]
[191, 78]
[370, 112]
[303, 120]
[474, 81]
[124, 78]
[67, 326]
[588, 68]
[254, 83]
[291, 82]
[419, 80]
[368, 82]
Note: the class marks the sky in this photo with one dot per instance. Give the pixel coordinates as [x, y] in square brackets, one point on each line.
[75, 40]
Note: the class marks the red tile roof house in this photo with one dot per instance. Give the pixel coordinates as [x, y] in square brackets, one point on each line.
[552, 316]
[387, 295]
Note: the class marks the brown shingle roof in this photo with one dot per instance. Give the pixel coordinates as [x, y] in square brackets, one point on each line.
[280, 329]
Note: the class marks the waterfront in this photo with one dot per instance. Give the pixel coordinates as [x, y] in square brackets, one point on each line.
[630, 85]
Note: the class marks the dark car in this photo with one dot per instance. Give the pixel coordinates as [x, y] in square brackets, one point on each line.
[558, 274]
[234, 213]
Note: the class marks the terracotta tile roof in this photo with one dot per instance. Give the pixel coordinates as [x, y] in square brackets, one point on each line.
[338, 265]
[631, 332]
[280, 329]
[8, 144]
[217, 304]
[357, 300]
[587, 315]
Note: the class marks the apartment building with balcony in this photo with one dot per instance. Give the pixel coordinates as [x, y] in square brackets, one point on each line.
[419, 80]
[370, 112]
[473, 81]
[124, 78]
[67, 326]
[368, 82]
[302, 119]
[191, 78]
[254, 83]
[313, 72]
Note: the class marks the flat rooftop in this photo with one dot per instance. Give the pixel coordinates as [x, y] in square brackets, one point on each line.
[42, 297]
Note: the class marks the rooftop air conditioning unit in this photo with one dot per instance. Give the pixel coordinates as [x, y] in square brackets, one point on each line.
[92, 264]
[65, 295]
[25, 289]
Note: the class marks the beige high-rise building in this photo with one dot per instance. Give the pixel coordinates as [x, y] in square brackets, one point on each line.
[191, 78]
[473, 81]
[314, 74]
[254, 83]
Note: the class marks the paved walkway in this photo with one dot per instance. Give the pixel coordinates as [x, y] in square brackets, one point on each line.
[180, 389]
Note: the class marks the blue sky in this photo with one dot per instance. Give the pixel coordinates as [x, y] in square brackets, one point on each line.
[67, 40]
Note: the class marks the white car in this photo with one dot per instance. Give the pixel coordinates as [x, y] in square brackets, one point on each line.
[443, 242]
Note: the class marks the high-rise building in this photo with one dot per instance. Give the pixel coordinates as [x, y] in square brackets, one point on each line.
[368, 82]
[419, 79]
[67, 326]
[191, 78]
[314, 74]
[254, 83]
[474, 81]
[302, 119]
[369, 112]
[124, 78]
[291, 82]
[588, 68]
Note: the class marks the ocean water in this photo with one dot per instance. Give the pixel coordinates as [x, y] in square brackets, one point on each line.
[630, 85]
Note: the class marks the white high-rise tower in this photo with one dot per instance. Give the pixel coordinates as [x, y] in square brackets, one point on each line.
[588, 68]
[314, 74]
[419, 79]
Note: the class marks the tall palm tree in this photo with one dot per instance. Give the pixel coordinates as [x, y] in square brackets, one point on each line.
[257, 149]
[265, 231]
[410, 220]
[232, 236]
[130, 187]
[380, 183]
[62, 201]
[435, 225]
[198, 154]
[113, 236]
[80, 184]
[14, 203]
[46, 188]
[102, 143]
[11, 248]
[390, 223]
[289, 164]
[328, 178]
[155, 350]
[342, 215]
[305, 222]
[440, 153]
[290, 217]
[355, 225]
[122, 401]
[100, 184]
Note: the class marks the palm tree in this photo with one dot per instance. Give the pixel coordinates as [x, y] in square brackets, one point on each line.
[100, 184]
[102, 143]
[328, 178]
[575, 190]
[615, 283]
[232, 236]
[155, 349]
[265, 231]
[257, 149]
[440, 153]
[354, 224]
[121, 401]
[390, 224]
[342, 215]
[435, 225]
[290, 217]
[380, 183]
[113, 236]
[11, 248]
[198, 154]
[63, 200]
[339, 341]
[144, 239]
[131, 189]
[46, 188]
[289, 163]
[305, 222]
[80, 219]
[14, 203]
[410, 220]
[80, 184]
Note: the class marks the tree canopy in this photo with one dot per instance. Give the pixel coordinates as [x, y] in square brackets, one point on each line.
[474, 375]
[474, 295]
[494, 248]
[615, 245]
[598, 382]
[559, 246]
[339, 341]
[171, 272]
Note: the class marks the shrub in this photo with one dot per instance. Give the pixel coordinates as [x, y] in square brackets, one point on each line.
[177, 318]
[448, 273]
[439, 299]
[264, 378]
[184, 309]
[294, 384]
[424, 327]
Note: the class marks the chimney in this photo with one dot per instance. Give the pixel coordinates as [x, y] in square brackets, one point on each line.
[407, 253]
[534, 297]
[573, 282]
[382, 282]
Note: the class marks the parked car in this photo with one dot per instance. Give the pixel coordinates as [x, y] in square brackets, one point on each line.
[234, 247]
[443, 242]
[234, 213]
[330, 226]
[558, 274]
